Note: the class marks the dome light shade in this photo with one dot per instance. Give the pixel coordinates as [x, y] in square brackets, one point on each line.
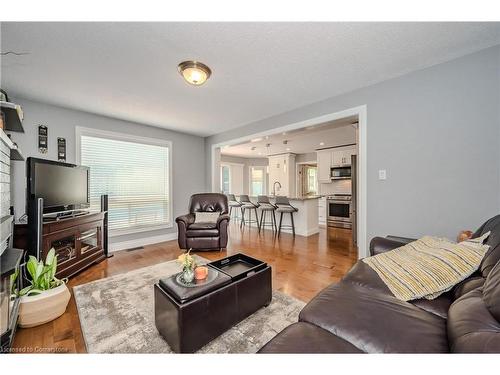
[194, 72]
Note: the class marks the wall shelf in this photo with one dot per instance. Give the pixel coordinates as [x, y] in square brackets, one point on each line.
[15, 152]
[12, 117]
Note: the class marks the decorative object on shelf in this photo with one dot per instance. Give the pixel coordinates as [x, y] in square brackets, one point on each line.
[200, 272]
[188, 264]
[47, 297]
[43, 137]
[194, 72]
[61, 149]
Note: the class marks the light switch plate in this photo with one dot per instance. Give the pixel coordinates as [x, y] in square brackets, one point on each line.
[382, 174]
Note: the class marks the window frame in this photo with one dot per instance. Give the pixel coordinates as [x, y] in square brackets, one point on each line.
[228, 165]
[98, 133]
[264, 178]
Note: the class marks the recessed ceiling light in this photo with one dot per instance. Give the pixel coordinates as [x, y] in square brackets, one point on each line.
[260, 153]
[194, 72]
[256, 140]
[288, 148]
[321, 143]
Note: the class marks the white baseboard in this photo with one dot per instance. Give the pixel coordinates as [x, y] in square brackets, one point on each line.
[117, 246]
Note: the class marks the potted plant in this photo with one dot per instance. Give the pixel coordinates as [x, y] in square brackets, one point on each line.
[188, 265]
[47, 297]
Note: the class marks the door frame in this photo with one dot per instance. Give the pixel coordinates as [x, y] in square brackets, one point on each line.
[361, 112]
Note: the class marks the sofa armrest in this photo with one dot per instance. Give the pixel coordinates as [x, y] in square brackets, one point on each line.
[221, 218]
[401, 239]
[379, 245]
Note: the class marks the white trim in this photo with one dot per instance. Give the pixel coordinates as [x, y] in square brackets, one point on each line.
[80, 130]
[124, 232]
[124, 245]
[361, 112]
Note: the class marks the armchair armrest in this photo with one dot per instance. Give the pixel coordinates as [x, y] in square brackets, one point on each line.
[379, 245]
[185, 219]
[222, 218]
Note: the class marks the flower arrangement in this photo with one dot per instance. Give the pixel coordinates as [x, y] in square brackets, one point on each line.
[188, 265]
[187, 261]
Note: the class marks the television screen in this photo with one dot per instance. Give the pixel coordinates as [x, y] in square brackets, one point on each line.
[59, 184]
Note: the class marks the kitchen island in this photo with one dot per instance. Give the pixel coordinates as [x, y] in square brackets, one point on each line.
[306, 218]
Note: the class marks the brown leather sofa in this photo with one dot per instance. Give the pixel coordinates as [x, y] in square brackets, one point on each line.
[360, 314]
[204, 236]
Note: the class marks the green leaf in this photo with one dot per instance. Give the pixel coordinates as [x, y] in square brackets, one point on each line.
[31, 266]
[50, 257]
[23, 291]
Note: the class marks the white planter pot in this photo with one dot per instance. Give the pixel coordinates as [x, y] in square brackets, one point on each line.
[44, 307]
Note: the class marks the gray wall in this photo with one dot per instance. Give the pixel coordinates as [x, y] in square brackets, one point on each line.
[247, 162]
[436, 131]
[188, 174]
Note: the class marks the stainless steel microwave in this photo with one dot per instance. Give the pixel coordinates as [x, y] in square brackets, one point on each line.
[340, 173]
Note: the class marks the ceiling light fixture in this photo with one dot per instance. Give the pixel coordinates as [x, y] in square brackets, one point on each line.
[288, 148]
[321, 143]
[195, 73]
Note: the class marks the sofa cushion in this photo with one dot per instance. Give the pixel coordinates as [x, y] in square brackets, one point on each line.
[438, 306]
[491, 292]
[467, 285]
[307, 338]
[363, 275]
[471, 327]
[202, 230]
[493, 241]
[376, 322]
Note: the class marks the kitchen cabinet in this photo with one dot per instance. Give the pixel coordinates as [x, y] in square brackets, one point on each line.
[322, 212]
[333, 157]
[282, 170]
[324, 160]
[342, 157]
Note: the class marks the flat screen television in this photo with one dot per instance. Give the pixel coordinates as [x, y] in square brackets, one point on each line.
[63, 186]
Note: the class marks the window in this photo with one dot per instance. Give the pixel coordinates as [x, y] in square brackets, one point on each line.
[134, 172]
[225, 179]
[257, 180]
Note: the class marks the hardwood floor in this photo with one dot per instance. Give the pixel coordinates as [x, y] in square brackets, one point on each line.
[302, 266]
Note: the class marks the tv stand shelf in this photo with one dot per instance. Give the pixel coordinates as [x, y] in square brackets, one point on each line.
[78, 241]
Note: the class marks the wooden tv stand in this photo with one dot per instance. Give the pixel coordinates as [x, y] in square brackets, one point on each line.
[78, 241]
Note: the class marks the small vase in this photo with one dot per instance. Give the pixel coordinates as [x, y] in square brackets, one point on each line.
[188, 275]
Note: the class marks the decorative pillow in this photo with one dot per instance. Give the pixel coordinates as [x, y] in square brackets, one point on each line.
[428, 267]
[206, 217]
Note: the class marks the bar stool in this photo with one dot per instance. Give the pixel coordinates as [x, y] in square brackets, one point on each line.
[266, 206]
[247, 204]
[283, 206]
[233, 203]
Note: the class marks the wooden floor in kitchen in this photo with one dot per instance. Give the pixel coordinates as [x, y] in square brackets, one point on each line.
[302, 266]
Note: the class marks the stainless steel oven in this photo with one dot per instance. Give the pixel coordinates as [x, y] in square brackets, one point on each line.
[339, 211]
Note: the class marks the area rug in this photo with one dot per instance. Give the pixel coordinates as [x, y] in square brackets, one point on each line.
[117, 316]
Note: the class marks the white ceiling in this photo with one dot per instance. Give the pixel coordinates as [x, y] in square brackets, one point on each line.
[129, 70]
[300, 141]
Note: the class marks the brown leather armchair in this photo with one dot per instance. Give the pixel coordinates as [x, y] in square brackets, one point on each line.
[204, 236]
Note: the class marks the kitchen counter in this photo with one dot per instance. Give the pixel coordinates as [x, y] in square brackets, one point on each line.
[306, 218]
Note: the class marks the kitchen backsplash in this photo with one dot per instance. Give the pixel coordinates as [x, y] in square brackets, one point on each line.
[335, 187]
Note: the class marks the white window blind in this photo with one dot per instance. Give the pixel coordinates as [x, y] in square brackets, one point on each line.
[135, 176]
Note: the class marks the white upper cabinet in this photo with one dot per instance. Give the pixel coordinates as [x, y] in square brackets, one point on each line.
[334, 157]
[324, 159]
[342, 157]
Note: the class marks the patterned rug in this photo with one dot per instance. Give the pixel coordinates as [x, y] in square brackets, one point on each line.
[117, 316]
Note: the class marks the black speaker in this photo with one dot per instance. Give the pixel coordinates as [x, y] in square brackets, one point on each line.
[35, 227]
[104, 208]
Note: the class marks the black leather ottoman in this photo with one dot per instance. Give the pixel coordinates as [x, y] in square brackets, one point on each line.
[189, 318]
